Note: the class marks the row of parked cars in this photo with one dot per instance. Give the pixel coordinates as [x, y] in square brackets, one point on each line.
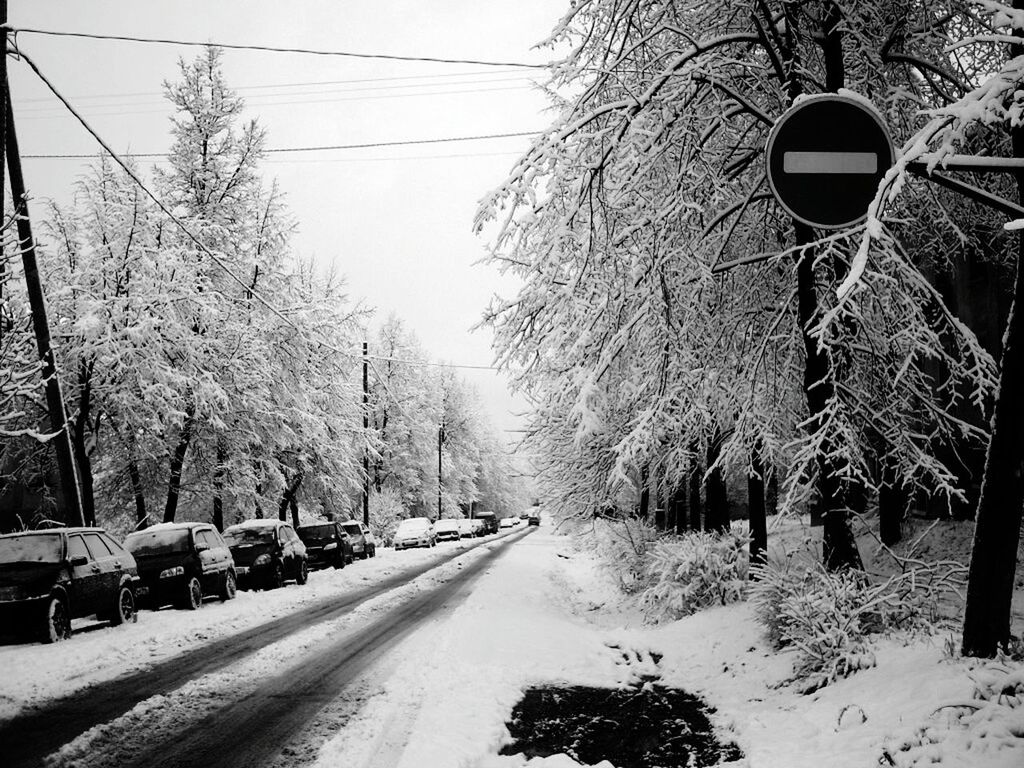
[49, 577]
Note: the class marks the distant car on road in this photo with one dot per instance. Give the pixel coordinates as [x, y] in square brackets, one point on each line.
[508, 522]
[180, 563]
[267, 552]
[534, 520]
[447, 529]
[414, 532]
[327, 544]
[49, 577]
[364, 543]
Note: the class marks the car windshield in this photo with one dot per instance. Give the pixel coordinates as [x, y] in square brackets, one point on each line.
[158, 542]
[35, 548]
[324, 532]
[352, 528]
[248, 537]
[412, 526]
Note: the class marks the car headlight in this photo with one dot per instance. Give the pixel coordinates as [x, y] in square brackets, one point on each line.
[332, 545]
[261, 560]
[169, 572]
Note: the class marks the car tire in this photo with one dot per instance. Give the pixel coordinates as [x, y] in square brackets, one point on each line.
[57, 620]
[302, 573]
[373, 551]
[124, 607]
[275, 579]
[230, 587]
[339, 561]
[192, 595]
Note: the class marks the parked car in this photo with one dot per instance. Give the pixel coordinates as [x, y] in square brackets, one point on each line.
[534, 520]
[49, 577]
[266, 553]
[490, 522]
[364, 543]
[508, 522]
[479, 527]
[327, 544]
[466, 528]
[180, 563]
[447, 530]
[415, 532]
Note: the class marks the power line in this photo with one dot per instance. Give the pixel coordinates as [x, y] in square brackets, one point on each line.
[203, 247]
[291, 150]
[272, 49]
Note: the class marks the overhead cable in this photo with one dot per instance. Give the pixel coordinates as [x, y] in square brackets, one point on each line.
[271, 48]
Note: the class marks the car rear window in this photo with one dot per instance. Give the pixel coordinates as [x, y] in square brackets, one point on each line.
[37, 548]
[352, 528]
[248, 537]
[158, 542]
[325, 532]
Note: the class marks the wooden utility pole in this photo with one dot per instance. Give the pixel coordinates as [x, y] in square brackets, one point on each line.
[37, 303]
[366, 434]
[3, 133]
[440, 443]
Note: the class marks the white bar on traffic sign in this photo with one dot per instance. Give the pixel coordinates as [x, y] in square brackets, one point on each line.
[829, 162]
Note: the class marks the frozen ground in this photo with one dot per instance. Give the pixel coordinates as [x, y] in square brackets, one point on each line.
[542, 613]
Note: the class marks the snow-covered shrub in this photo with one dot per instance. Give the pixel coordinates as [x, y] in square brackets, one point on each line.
[622, 545]
[987, 729]
[386, 510]
[694, 571]
[827, 617]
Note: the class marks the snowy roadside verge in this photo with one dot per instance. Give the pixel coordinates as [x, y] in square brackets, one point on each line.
[36, 673]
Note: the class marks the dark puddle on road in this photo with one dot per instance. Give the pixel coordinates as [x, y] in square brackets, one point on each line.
[648, 726]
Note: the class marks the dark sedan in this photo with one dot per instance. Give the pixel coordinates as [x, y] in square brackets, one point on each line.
[180, 563]
[49, 577]
[326, 545]
[266, 552]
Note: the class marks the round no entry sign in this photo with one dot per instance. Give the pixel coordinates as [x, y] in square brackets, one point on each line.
[825, 157]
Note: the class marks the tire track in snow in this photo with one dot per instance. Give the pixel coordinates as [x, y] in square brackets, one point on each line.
[31, 735]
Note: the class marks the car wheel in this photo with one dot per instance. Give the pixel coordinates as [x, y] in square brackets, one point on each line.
[58, 620]
[276, 578]
[302, 574]
[124, 607]
[373, 551]
[339, 561]
[230, 588]
[192, 596]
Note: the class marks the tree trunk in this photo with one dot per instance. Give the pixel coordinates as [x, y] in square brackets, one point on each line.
[758, 521]
[677, 505]
[78, 444]
[645, 493]
[892, 504]
[218, 485]
[694, 510]
[288, 500]
[716, 517]
[178, 461]
[141, 518]
[997, 523]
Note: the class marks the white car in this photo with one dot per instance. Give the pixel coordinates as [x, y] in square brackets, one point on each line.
[447, 529]
[508, 522]
[466, 528]
[415, 532]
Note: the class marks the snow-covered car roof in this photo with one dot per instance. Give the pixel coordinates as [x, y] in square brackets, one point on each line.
[167, 527]
[447, 523]
[264, 523]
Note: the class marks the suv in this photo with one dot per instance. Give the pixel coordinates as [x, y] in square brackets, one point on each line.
[364, 544]
[267, 552]
[179, 563]
[326, 544]
[49, 577]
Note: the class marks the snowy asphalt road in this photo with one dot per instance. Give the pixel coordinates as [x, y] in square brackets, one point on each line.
[252, 729]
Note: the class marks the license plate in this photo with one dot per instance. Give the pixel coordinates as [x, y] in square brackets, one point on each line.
[241, 570]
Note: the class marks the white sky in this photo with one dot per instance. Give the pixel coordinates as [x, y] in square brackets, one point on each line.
[397, 221]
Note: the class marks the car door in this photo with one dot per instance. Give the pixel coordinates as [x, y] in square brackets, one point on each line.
[85, 577]
[110, 569]
[209, 564]
[223, 554]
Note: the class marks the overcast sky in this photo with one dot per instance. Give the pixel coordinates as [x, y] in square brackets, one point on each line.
[397, 221]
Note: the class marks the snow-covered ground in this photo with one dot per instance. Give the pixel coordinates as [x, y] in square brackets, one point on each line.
[34, 673]
[546, 613]
[542, 613]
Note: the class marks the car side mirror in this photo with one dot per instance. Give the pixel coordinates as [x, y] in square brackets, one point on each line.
[79, 560]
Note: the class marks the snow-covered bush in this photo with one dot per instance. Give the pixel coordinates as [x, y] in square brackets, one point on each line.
[828, 616]
[385, 511]
[987, 729]
[623, 545]
[694, 571]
